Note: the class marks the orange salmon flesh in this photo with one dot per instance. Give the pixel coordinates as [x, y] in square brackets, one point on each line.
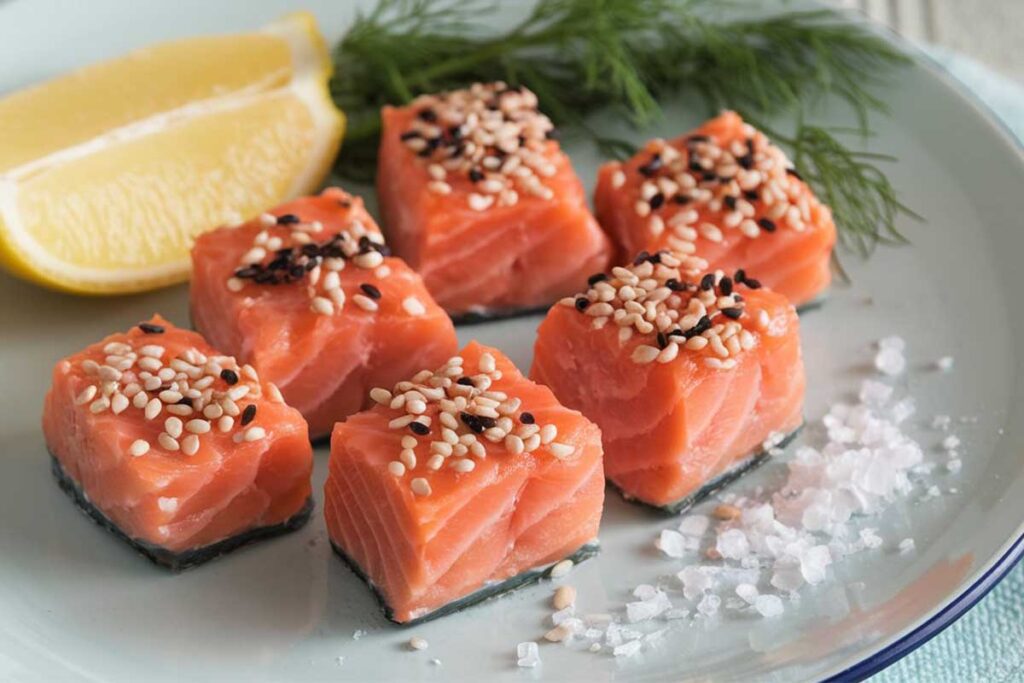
[143, 426]
[721, 193]
[427, 528]
[381, 325]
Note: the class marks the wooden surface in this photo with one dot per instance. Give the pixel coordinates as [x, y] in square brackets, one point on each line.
[990, 31]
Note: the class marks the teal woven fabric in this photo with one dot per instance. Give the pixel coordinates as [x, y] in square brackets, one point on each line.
[986, 644]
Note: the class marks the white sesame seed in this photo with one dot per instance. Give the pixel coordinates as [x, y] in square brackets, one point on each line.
[420, 486]
[225, 423]
[548, 433]
[197, 426]
[99, 405]
[565, 596]
[435, 461]
[138, 448]
[442, 448]
[109, 374]
[370, 259]
[463, 465]
[322, 306]
[413, 306]
[173, 426]
[561, 450]
[409, 441]
[254, 255]
[644, 353]
[618, 179]
[561, 569]
[86, 395]
[167, 442]
[400, 422]
[267, 219]
[513, 444]
[254, 434]
[365, 302]
[417, 643]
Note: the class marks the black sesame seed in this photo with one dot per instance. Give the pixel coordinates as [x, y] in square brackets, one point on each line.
[288, 219]
[471, 421]
[702, 325]
[527, 418]
[751, 195]
[640, 258]
[370, 290]
[730, 202]
[297, 271]
[581, 303]
[675, 285]
[279, 263]
[265, 277]
[344, 203]
[419, 428]
[676, 333]
[476, 175]
[486, 422]
[595, 278]
[150, 328]
[465, 381]
[409, 135]
[767, 224]
[732, 313]
[681, 199]
[746, 161]
[185, 401]
[247, 272]
[651, 167]
[455, 131]
[751, 283]
[707, 282]
[708, 176]
[657, 201]
[693, 139]
[725, 178]
[229, 376]
[428, 115]
[696, 167]
[793, 172]
[740, 275]
[726, 286]
[249, 414]
[662, 340]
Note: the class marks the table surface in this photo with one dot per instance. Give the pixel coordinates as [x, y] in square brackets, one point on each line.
[987, 644]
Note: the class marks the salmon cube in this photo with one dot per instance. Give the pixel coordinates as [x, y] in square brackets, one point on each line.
[174, 447]
[690, 382]
[462, 483]
[479, 198]
[727, 198]
[309, 295]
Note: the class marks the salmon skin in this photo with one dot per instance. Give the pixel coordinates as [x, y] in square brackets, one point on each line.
[687, 379]
[476, 481]
[478, 197]
[310, 296]
[727, 198]
[177, 449]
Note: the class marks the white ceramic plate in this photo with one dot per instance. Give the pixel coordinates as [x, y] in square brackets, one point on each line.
[77, 604]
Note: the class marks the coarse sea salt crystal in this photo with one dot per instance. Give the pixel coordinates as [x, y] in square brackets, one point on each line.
[694, 525]
[748, 592]
[906, 545]
[709, 604]
[870, 538]
[527, 655]
[627, 649]
[951, 442]
[890, 359]
[732, 544]
[875, 393]
[672, 543]
[954, 465]
[941, 422]
[944, 364]
[696, 580]
[769, 605]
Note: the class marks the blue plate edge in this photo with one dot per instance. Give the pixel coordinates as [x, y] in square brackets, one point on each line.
[962, 602]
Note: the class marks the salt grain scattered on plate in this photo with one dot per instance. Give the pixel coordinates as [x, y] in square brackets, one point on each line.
[890, 359]
[945, 364]
[527, 654]
[906, 545]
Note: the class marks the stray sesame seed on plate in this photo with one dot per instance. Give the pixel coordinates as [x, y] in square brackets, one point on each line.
[560, 569]
[417, 643]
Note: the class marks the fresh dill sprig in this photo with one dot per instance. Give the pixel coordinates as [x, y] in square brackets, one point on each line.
[582, 56]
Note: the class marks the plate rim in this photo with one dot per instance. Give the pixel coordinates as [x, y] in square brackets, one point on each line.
[996, 570]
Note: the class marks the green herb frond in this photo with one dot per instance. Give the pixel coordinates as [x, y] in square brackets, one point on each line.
[582, 56]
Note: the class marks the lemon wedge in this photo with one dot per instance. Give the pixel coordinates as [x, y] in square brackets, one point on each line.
[108, 173]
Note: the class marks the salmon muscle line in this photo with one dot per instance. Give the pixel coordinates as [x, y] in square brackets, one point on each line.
[490, 133]
[468, 412]
[181, 390]
[651, 298]
[284, 252]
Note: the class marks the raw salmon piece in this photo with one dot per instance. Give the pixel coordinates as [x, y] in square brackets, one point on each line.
[177, 449]
[309, 296]
[687, 381]
[474, 483]
[728, 198]
[479, 199]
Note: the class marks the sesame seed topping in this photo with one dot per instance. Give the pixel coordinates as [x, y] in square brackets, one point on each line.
[420, 486]
[490, 135]
[150, 328]
[254, 434]
[139, 447]
[413, 306]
